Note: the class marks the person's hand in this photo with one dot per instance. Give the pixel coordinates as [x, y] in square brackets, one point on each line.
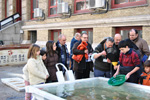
[128, 76]
[115, 67]
[103, 53]
[108, 60]
[47, 76]
[115, 74]
[86, 51]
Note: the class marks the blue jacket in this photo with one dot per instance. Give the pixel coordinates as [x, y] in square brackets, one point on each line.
[73, 41]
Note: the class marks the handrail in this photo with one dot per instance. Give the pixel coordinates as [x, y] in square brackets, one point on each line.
[9, 19]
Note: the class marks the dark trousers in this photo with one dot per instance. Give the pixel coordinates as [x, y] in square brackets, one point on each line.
[134, 77]
[71, 62]
[85, 73]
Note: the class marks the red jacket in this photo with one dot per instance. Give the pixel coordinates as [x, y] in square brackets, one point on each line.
[79, 57]
[145, 79]
[129, 59]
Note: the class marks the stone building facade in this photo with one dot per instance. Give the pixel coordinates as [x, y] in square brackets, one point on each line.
[120, 18]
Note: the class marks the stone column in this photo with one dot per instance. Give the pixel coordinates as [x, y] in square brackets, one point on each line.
[26, 35]
[69, 33]
[1, 9]
[11, 7]
[145, 32]
[43, 4]
[26, 9]
[42, 37]
[99, 33]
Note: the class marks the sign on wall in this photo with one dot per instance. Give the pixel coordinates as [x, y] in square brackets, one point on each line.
[13, 57]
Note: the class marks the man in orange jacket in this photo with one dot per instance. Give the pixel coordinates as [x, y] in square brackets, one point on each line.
[82, 66]
[82, 46]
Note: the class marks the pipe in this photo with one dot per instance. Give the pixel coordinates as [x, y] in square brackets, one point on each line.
[107, 7]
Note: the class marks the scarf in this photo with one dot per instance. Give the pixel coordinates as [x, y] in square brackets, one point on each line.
[82, 46]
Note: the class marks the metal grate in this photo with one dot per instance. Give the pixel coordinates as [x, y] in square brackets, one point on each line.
[92, 3]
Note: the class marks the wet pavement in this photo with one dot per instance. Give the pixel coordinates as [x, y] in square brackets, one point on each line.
[6, 92]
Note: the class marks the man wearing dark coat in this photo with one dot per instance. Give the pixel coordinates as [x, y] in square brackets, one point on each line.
[102, 65]
[82, 68]
[62, 51]
[75, 39]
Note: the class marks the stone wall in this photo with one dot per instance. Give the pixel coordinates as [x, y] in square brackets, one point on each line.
[111, 14]
[11, 34]
[99, 33]
[145, 34]
[42, 35]
[2, 11]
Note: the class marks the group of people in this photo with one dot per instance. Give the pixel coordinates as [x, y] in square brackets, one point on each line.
[40, 67]
[130, 54]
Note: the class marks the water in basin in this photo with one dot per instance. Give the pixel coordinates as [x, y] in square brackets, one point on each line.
[97, 89]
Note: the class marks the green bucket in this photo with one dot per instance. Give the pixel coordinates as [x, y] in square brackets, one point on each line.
[118, 80]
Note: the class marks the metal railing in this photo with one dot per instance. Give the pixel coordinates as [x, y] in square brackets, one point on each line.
[9, 20]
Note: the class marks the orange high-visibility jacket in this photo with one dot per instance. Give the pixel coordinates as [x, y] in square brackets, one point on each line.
[79, 57]
[145, 79]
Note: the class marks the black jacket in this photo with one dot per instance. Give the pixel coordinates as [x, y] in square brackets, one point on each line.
[99, 64]
[82, 64]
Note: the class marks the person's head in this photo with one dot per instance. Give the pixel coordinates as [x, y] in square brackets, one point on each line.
[147, 66]
[131, 44]
[109, 42]
[117, 38]
[33, 51]
[43, 54]
[133, 34]
[84, 37]
[77, 36]
[62, 39]
[50, 47]
[123, 46]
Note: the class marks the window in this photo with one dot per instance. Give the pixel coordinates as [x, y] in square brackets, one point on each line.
[53, 35]
[125, 30]
[34, 4]
[52, 11]
[6, 8]
[89, 31]
[126, 3]
[33, 36]
[81, 6]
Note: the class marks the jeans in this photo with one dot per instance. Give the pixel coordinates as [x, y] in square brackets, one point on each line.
[99, 73]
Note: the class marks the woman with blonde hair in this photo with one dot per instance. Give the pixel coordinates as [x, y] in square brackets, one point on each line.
[35, 72]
